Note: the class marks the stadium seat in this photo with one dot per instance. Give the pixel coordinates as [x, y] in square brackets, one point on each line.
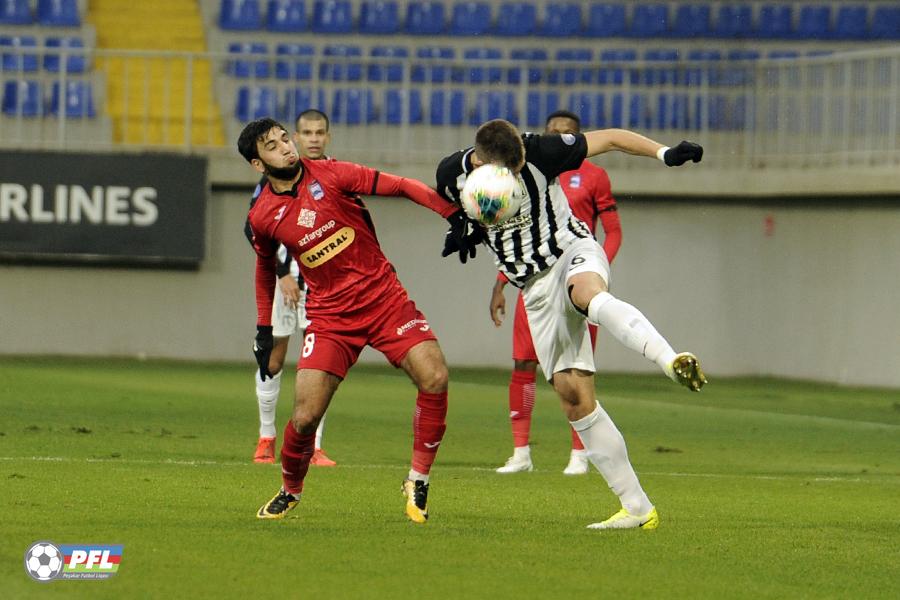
[240, 15]
[22, 98]
[478, 73]
[341, 69]
[294, 62]
[741, 73]
[885, 23]
[78, 100]
[447, 107]
[606, 20]
[650, 20]
[540, 104]
[332, 16]
[814, 23]
[692, 21]
[353, 106]
[394, 107]
[733, 21]
[470, 18]
[255, 102]
[671, 111]
[425, 18]
[775, 75]
[561, 19]
[286, 16]
[432, 71]
[698, 76]
[387, 71]
[661, 74]
[526, 58]
[584, 104]
[631, 110]
[378, 17]
[296, 100]
[58, 13]
[516, 19]
[851, 22]
[774, 21]
[572, 75]
[243, 65]
[75, 63]
[494, 105]
[16, 54]
[615, 74]
[15, 12]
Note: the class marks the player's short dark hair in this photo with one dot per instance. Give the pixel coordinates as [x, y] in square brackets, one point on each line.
[252, 133]
[313, 114]
[499, 142]
[563, 114]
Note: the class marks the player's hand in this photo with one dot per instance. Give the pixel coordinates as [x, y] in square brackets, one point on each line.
[290, 289]
[463, 237]
[683, 152]
[498, 304]
[262, 349]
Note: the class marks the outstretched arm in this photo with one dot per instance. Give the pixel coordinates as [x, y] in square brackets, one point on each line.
[606, 140]
[394, 185]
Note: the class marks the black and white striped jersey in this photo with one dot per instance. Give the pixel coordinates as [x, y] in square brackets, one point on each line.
[533, 239]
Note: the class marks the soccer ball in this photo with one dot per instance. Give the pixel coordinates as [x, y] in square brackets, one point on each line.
[489, 195]
[43, 561]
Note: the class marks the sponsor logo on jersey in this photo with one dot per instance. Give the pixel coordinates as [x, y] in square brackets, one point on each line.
[519, 221]
[575, 182]
[410, 324]
[307, 218]
[314, 235]
[315, 189]
[329, 248]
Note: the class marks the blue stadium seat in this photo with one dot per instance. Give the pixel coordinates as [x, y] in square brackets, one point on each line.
[332, 16]
[774, 21]
[243, 65]
[297, 100]
[343, 69]
[733, 21]
[16, 54]
[743, 72]
[77, 100]
[287, 16]
[387, 71]
[540, 104]
[432, 71]
[692, 21]
[516, 19]
[606, 20]
[295, 62]
[75, 63]
[703, 75]
[22, 98]
[526, 57]
[478, 73]
[353, 106]
[885, 23]
[425, 18]
[447, 107]
[255, 102]
[240, 15]
[394, 106]
[494, 105]
[631, 110]
[615, 74]
[851, 22]
[561, 19]
[661, 74]
[671, 111]
[585, 105]
[572, 75]
[814, 22]
[378, 17]
[58, 13]
[650, 20]
[470, 18]
[15, 12]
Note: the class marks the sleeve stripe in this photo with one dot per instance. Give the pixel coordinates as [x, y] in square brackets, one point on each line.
[612, 208]
[375, 183]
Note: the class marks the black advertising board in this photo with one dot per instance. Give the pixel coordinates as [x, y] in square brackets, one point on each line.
[103, 208]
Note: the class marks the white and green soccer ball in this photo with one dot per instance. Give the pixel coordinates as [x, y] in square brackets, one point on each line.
[43, 561]
[489, 195]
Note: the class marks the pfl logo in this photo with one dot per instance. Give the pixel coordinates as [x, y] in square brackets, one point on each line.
[44, 561]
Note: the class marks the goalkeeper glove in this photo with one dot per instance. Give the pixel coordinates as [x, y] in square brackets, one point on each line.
[262, 349]
[683, 152]
[462, 237]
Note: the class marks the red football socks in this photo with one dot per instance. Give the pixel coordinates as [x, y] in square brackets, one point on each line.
[429, 424]
[296, 452]
[521, 404]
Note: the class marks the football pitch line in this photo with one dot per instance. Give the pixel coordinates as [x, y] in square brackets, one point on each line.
[216, 463]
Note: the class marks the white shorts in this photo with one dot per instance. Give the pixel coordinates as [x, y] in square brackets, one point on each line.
[559, 331]
[285, 320]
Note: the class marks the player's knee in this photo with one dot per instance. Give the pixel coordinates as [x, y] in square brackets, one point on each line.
[434, 379]
[304, 423]
[275, 365]
[583, 289]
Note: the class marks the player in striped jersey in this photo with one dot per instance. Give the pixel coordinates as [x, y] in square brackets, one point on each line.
[564, 276]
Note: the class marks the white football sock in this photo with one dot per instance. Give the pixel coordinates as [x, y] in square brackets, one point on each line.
[267, 398]
[606, 450]
[628, 325]
[416, 476]
[320, 431]
[522, 452]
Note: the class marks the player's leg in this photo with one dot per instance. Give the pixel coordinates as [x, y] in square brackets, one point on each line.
[320, 459]
[586, 283]
[521, 392]
[605, 448]
[578, 458]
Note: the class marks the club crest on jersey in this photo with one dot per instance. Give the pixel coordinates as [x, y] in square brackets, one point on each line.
[575, 182]
[307, 218]
[316, 191]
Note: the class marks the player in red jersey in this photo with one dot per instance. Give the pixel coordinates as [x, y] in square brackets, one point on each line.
[587, 189]
[354, 297]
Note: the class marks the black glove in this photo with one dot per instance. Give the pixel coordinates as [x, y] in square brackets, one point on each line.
[683, 152]
[463, 236]
[262, 349]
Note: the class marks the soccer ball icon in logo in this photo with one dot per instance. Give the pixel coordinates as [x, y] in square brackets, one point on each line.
[489, 195]
[43, 561]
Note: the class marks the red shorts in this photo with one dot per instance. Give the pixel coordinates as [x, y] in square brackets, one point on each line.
[332, 344]
[523, 346]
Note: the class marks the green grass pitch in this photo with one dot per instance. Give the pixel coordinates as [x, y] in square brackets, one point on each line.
[765, 489]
